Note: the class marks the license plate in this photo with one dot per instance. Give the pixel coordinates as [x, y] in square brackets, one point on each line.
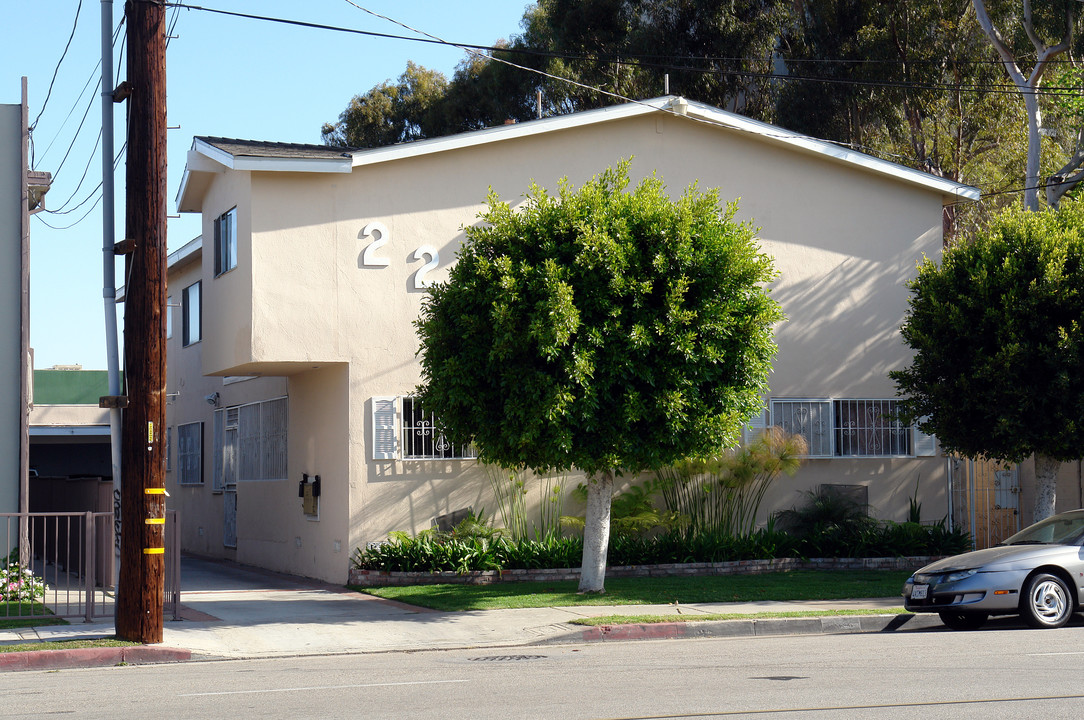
[918, 592]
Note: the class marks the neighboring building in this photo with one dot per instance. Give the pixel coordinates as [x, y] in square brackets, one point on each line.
[12, 182]
[70, 465]
[21, 194]
[293, 351]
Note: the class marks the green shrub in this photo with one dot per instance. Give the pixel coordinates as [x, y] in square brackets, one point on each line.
[430, 551]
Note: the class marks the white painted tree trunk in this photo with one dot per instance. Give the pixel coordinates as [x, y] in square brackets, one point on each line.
[1046, 486]
[596, 533]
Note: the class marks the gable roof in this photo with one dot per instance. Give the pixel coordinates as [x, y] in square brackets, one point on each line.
[287, 157]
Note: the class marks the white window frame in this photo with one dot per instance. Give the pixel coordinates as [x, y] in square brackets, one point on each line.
[225, 242]
[401, 433]
[190, 453]
[192, 330]
[824, 429]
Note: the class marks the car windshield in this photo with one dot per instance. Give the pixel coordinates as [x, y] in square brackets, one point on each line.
[1064, 529]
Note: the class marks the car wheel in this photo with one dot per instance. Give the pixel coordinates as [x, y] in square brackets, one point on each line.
[962, 620]
[1046, 602]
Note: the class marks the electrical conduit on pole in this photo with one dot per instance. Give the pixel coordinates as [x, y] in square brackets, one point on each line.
[109, 265]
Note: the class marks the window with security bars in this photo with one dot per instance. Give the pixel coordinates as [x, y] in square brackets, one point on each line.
[190, 453]
[401, 431]
[250, 443]
[869, 427]
[812, 419]
[849, 428]
[422, 438]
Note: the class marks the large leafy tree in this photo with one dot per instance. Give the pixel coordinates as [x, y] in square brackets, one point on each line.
[714, 52]
[606, 329]
[910, 80]
[997, 331]
[389, 113]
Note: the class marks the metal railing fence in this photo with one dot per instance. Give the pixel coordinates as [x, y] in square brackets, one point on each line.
[61, 564]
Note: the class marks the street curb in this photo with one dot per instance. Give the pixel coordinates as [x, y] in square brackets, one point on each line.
[90, 657]
[767, 627]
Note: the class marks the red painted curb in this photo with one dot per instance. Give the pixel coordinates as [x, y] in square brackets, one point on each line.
[636, 632]
[90, 657]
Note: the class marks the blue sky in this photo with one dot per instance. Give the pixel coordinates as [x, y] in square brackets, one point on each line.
[226, 76]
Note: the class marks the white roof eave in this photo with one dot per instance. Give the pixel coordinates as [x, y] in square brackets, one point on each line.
[253, 164]
[838, 152]
[696, 112]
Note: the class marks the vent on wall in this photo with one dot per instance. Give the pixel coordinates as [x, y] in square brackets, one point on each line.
[856, 494]
[446, 523]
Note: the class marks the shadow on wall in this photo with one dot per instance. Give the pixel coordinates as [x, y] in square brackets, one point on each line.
[409, 495]
[843, 319]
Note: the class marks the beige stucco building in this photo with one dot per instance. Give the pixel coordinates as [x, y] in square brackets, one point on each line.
[292, 347]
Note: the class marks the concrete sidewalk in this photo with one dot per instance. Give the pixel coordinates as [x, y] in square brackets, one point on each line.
[231, 611]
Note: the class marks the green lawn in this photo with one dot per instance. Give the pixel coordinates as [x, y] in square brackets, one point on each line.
[67, 645]
[703, 617]
[795, 585]
[42, 615]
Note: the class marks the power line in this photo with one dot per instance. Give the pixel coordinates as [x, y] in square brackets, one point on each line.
[56, 70]
[93, 194]
[75, 104]
[479, 50]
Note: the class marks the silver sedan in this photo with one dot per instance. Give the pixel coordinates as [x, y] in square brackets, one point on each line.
[1038, 573]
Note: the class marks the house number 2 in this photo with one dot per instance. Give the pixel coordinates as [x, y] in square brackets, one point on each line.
[369, 257]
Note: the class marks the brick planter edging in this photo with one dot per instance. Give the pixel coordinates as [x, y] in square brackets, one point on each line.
[379, 578]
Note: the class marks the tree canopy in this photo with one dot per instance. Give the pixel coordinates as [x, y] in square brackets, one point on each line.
[914, 81]
[603, 329]
[997, 331]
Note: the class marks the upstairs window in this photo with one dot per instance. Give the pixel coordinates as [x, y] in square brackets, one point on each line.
[226, 242]
[191, 310]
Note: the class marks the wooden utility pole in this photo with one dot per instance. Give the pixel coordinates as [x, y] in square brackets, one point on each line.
[140, 593]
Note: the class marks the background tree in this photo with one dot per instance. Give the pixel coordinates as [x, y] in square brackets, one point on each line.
[388, 114]
[998, 335]
[1039, 38]
[609, 330]
[912, 81]
[714, 52]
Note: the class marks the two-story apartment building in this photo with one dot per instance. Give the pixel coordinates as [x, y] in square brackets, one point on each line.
[292, 349]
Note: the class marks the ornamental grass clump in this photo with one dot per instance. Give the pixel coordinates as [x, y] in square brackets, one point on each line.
[721, 495]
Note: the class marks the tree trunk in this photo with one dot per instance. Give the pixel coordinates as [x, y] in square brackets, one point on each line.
[1032, 183]
[596, 533]
[1046, 477]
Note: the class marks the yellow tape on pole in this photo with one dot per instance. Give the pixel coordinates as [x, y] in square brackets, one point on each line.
[154, 551]
[154, 491]
[155, 521]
